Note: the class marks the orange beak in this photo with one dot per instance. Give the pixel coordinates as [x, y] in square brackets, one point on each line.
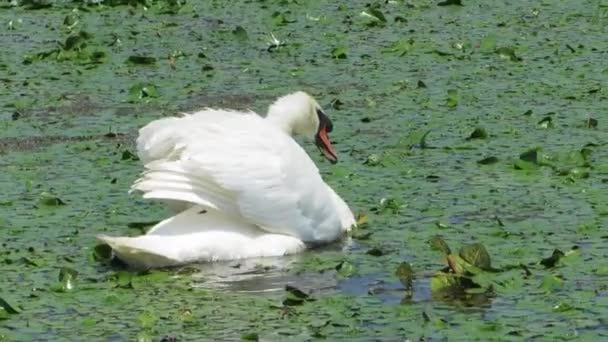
[325, 146]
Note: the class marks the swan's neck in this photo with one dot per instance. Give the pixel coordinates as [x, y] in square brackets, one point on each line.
[294, 114]
[284, 121]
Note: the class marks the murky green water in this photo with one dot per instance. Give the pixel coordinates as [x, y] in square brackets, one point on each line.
[78, 79]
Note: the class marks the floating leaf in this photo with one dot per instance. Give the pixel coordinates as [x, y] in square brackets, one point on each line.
[147, 320]
[524, 165]
[389, 204]
[441, 281]
[405, 273]
[144, 336]
[76, 41]
[551, 282]
[457, 264]
[102, 253]
[563, 307]
[339, 53]
[345, 269]
[478, 133]
[373, 160]
[508, 53]
[67, 278]
[46, 198]
[591, 123]
[400, 47]
[453, 285]
[240, 34]
[123, 279]
[453, 98]
[488, 160]
[375, 251]
[575, 173]
[250, 337]
[282, 18]
[35, 4]
[295, 296]
[71, 19]
[488, 43]
[546, 122]
[450, 3]
[601, 270]
[553, 259]
[476, 255]
[128, 155]
[361, 235]
[416, 138]
[148, 278]
[6, 309]
[147, 60]
[141, 91]
[530, 156]
[336, 104]
[375, 15]
[362, 219]
[438, 244]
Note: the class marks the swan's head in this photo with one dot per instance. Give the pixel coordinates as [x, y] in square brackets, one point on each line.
[299, 114]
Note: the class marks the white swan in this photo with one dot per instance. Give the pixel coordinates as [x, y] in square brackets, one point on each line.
[240, 183]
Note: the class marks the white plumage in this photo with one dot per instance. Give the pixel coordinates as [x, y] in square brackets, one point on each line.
[241, 185]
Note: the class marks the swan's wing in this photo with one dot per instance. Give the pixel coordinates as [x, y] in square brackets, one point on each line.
[241, 165]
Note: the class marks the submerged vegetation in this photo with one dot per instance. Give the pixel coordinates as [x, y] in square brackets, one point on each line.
[478, 126]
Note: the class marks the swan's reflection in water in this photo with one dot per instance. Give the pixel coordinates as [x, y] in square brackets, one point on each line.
[267, 275]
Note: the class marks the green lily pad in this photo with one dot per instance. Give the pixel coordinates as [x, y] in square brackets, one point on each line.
[147, 319]
[488, 43]
[450, 3]
[123, 279]
[546, 122]
[143, 60]
[141, 91]
[508, 53]
[553, 259]
[76, 41]
[476, 255]
[345, 269]
[67, 280]
[416, 138]
[240, 33]
[453, 98]
[250, 337]
[478, 133]
[295, 296]
[405, 273]
[102, 253]
[488, 160]
[339, 52]
[6, 309]
[48, 199]
[374, 16]
[551, 282]
[591, 123]
[438, 244]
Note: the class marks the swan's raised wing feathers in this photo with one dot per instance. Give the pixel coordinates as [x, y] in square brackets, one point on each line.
[239, 164]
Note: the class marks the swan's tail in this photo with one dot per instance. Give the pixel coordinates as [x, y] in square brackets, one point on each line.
[199, 235]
